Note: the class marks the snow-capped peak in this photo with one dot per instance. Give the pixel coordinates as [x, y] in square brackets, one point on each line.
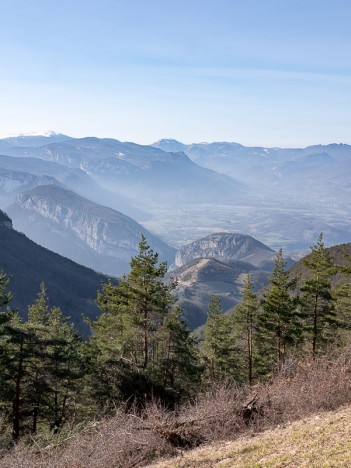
[47, 133]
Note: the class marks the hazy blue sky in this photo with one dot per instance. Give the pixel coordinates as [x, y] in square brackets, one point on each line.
[259, 72]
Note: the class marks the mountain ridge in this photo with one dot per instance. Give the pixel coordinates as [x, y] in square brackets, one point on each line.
[70, 286]
[93, 235]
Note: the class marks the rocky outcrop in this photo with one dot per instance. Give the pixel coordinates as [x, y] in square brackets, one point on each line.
[91, 234]
[226, 248]
[14, 181]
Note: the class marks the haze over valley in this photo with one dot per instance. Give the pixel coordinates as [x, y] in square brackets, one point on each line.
[91, 199]
[282, 197]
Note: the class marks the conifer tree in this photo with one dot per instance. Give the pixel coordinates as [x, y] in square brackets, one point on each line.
[65, 371]
[5, 298]
[126, 334]
[279, 321]
[53, 367]
[37, 326]
[219, 346]
[16, 351]
[39, 368]
[342, 297]
[178, 365]
[139, 304]
[317, 298]
[246, 320]
[13, 356]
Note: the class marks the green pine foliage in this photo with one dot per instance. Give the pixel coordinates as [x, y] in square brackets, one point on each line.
[178, 366]
[220, 349]
[342, 297]
[5, 298]
[280, 324]
[40, 369]
[246, 316]
[317, 299]
[139, 346]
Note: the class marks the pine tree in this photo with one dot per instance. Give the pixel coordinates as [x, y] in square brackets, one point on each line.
[13, 355]
[317, 298]
[39, 368]
[178, 366]
[139, 303]
[279, 321]
[37, 326]
[15, 345]
[53, 367]
[126, 334]
[246, 321]
[219, 346]
[342, 297]
[65, 371]
[5, 298]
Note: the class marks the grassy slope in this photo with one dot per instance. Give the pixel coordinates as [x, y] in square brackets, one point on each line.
[322, 440]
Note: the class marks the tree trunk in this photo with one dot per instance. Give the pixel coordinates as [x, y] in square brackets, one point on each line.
[249, 345]
[17, 398]
[315, 328]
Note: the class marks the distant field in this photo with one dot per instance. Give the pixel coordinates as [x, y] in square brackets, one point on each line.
[294, 227]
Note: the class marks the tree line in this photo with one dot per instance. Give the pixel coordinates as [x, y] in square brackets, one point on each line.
[291, 317]
[140, 348]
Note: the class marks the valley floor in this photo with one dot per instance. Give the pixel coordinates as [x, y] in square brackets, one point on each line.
[323, 440]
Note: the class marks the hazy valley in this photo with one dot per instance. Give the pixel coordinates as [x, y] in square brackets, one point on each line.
[282, 197]
[90, 200]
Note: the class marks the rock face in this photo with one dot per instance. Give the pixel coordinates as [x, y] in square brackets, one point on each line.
[91, 234]
[13, 182]
[226, 248]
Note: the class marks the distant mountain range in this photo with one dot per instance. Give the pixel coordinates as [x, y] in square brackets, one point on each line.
[22, 173]
[276, 169]
[135, 171]
[291, 194]
[70, 286]
[181, 193]
[34, 140]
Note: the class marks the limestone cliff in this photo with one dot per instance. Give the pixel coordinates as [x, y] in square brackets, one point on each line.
[91, 234]
[227, 247]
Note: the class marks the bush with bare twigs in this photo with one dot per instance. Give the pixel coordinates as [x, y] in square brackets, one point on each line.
[131, 440]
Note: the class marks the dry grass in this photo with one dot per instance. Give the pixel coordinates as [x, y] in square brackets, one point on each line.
[128, 440]
[322, 440]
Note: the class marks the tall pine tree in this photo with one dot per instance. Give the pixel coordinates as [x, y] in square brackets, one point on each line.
[220, 348]
[126, 335]
[246, 321]
[317, 298]
[279, 321]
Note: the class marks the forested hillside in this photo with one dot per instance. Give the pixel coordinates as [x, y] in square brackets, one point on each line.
[141, 353]
[72, 287]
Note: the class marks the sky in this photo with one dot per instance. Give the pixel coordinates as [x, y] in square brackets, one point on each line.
[257, 72]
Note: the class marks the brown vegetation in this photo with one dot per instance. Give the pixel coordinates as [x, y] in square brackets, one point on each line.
[132, 440]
